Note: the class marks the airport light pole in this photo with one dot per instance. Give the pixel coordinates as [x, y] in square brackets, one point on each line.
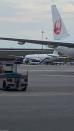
[42, 37]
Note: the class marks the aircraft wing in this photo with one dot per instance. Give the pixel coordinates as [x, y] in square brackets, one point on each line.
[53, 43]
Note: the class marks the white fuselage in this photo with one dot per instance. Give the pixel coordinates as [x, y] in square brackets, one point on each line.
[40, 57]
[66, 51]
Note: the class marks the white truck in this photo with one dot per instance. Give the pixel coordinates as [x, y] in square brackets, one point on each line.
[13, 79]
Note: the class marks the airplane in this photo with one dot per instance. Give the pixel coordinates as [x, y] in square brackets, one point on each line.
[59, 32]
[40, 58]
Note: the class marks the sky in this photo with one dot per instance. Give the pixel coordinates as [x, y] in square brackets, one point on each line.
[28, 18]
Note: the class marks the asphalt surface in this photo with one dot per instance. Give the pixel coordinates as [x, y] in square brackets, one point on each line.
[48, 104]
[59, 78]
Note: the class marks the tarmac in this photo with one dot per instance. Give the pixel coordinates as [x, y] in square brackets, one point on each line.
[48, 104]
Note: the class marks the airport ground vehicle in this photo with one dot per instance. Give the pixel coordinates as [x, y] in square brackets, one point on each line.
[10, 78]
[18, 59]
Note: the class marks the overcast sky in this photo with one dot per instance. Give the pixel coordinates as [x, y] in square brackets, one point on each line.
[27, 18]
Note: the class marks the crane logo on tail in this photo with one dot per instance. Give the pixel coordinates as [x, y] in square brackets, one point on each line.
[57, 27]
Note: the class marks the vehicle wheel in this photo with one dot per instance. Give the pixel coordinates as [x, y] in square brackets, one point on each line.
[4, 85]
[25, 88]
